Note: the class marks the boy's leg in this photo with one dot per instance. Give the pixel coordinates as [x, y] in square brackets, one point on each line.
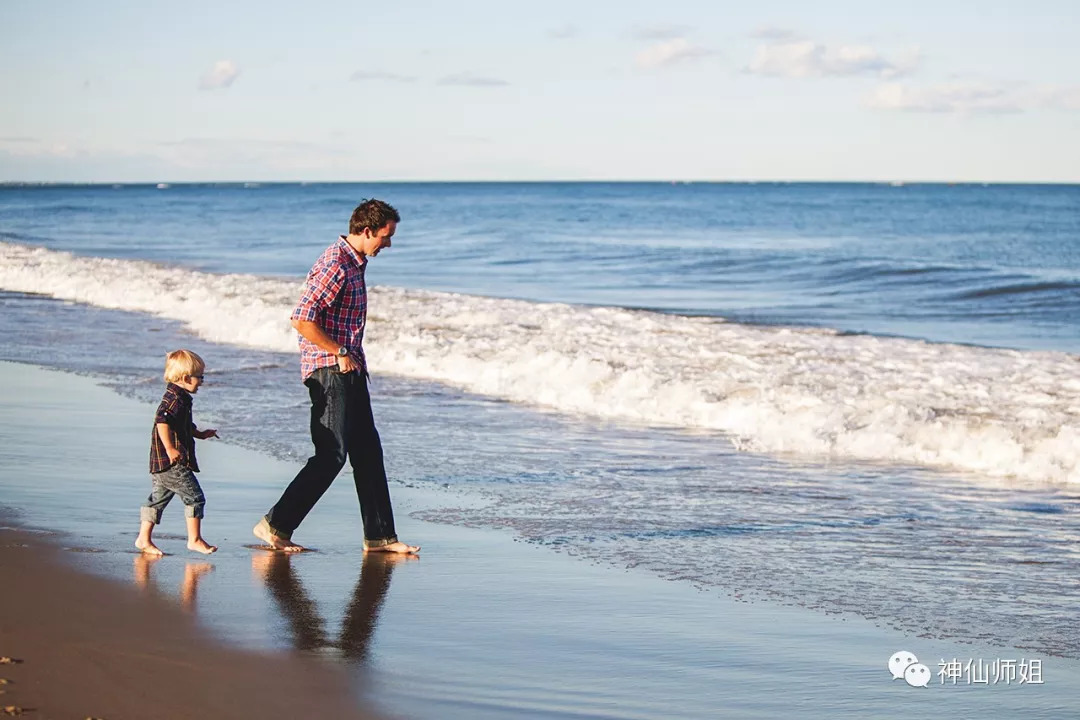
[184, 483]
[369, 472]
[145, 540]
[150, 514]
[326, 387]
[195, 539]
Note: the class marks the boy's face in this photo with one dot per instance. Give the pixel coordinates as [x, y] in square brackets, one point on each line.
[191, 383]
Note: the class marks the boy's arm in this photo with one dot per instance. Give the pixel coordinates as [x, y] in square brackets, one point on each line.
[166, 440]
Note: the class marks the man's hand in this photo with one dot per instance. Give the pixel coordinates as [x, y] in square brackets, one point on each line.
[174, 455]
[204, 434]
[347, 364]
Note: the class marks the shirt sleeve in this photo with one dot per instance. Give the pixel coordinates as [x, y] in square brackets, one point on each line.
[166, 412]
[322, 288]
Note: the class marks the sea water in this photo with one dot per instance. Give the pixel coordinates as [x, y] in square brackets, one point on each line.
[856, 398]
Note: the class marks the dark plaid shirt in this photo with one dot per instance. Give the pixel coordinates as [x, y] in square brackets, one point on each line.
[335, 298]
[175, 411]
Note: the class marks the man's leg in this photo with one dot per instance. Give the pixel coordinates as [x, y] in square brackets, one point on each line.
[369, 472]
[327, 390]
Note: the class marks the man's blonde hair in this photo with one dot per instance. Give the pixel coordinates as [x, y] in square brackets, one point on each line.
[180, 364]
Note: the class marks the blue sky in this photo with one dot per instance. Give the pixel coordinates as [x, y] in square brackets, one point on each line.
[154, 91]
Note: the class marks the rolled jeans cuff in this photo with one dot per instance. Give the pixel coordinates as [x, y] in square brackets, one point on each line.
[380, 543]
[149, 515]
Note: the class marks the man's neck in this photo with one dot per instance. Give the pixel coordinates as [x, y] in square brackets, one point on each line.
[353, 241]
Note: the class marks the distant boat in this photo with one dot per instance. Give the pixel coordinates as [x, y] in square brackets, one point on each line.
[162, 186]
[897, 183]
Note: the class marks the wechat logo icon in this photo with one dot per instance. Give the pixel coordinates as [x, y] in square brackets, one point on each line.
[904, 665]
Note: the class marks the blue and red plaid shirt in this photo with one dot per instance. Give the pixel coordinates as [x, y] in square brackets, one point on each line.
[175, 411]
[335, 298]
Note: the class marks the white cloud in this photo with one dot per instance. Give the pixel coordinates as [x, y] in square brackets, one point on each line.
[1057, 97]
[774, 32]
[36, 147]
[470, 80]
[957, 97]
[803, 59]
[670, 52]
[973, 97]
[361, 75]
[222, 75]
[661, 32]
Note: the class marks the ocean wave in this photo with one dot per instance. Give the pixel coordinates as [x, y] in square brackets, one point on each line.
[1020, 288]
[814, 393]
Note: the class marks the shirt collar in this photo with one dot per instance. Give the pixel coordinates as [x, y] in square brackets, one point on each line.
[360, 260]
[179, 391]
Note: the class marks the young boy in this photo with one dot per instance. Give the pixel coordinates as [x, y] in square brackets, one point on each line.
[172, 454]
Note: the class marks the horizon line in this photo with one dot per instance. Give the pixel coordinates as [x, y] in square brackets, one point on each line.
[252, 183]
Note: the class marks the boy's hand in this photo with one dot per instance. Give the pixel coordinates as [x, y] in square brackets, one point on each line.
[208, 433]
[174, 455]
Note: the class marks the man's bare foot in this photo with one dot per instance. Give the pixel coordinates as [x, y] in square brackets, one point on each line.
[262, 531]
[394, 547]
[148, 547]
[200, 545]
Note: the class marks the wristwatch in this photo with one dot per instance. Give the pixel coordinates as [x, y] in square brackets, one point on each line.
[342, 351]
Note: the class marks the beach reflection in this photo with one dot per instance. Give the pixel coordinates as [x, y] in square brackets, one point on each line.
[189, 584]
[306, 626]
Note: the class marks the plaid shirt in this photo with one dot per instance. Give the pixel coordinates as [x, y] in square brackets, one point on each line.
[174, 410]
[335, 298]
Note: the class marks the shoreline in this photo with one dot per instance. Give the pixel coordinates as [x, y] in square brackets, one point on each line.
[86, 646]
[480, 626]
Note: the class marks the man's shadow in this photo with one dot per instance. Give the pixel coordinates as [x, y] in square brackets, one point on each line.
[307, 627]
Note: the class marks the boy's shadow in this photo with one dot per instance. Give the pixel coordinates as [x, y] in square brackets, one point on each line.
[307, 627]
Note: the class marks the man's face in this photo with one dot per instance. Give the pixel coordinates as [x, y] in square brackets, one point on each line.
[372, 241]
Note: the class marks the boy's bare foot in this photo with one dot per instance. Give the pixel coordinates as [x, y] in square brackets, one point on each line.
[202, 546]
[148, 547]
[262, 531]
[394, 547]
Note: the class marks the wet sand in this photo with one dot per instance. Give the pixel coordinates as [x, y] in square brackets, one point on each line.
[88, 647]
[479, 626]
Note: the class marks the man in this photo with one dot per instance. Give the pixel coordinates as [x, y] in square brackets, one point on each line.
[330, 319]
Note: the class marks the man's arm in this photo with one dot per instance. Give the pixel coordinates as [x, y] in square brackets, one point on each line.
[314, 333]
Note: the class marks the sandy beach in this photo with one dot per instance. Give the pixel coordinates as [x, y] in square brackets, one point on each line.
[88, 647]
[480, 626]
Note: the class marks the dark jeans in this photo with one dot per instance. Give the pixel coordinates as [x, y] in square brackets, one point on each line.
[341, 425]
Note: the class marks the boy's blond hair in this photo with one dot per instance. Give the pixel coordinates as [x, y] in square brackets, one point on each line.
[180, 364]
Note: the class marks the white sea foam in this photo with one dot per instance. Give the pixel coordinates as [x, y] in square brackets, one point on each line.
[816, 393]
